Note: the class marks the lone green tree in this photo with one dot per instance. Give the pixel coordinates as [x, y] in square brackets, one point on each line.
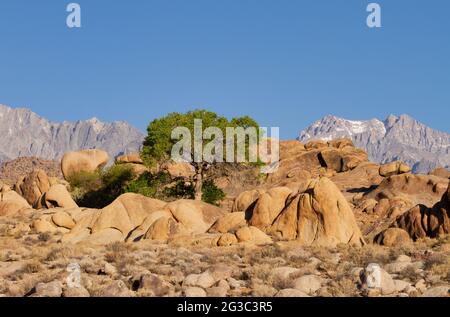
[161, 140]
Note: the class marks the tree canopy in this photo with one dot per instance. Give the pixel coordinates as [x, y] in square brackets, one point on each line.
[158, 143]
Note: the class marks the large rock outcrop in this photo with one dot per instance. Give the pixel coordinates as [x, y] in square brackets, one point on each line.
[441, 172]
[378, 207]
[11, 202]
[57, 196]
[132, 158]
[394, 168]
[33, 186]
[83, 161]
[425, 189]
[421, 221]
[298, 161]
[133, 217]
[134, 162]
[179, 170]
[315, 213]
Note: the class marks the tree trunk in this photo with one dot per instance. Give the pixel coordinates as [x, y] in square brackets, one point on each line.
[199, 182]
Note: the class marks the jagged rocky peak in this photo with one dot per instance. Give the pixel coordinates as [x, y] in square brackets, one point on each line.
[332, 127]
[25, 134]
[396, 138]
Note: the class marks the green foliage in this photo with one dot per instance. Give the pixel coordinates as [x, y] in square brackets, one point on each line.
[116, 178]
[148, 184]
[87, 180]
[181, 190]
[100, 188]
[211, 193]
[158, 143]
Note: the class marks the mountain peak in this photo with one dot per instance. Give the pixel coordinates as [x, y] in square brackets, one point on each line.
[396, 138]
[42, 138]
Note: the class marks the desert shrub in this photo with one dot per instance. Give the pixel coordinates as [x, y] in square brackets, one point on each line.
[87, 181]
[148, 184]
[116, 177]
[99, 189]
[211, 193]
[181, 190]
[438, 264]
[32, 266]
[44, 237]
[185, 190]
[58, 253]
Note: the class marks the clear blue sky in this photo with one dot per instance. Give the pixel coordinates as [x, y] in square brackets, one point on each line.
[285, 62]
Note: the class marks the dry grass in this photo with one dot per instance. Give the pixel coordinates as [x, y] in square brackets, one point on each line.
[44, 261]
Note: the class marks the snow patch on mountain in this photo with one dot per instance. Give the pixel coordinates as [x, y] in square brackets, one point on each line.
[396, 138]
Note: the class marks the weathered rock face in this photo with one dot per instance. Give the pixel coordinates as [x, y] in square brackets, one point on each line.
[393, 237]
[269, 206]
[378, 207]
[134, 162]
[441, 172]
[124, 214]
[132, 217]
[33, 186]
[320, 215]
[58, 196]
[244, 234]
[137, 169]
[252, 235]
[15, 170]
[59, 220]
[375, 278]
[342, 159]
[179, 170]
[314, 158]
[291, 148]
[229, 222]
[83, 161]
[194, 216]
[419, 189]
[362, 178]
[314, 213]
[133, 158]
[421, 221]
[11, 202]
[246, 199]
[394, 168]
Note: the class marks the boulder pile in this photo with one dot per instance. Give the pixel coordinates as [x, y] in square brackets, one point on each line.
[314, 213]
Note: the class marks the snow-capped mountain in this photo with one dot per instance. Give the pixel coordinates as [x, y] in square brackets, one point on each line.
[24, 133]
[396, 138]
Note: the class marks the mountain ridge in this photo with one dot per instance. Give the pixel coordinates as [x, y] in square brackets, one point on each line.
[395, 138]
[26, 134]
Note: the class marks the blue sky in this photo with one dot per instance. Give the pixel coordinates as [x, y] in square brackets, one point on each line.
[287, 63]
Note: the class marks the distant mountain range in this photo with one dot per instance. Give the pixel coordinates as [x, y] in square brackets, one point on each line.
[23, 133]
[26, 134]
[396, 138]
